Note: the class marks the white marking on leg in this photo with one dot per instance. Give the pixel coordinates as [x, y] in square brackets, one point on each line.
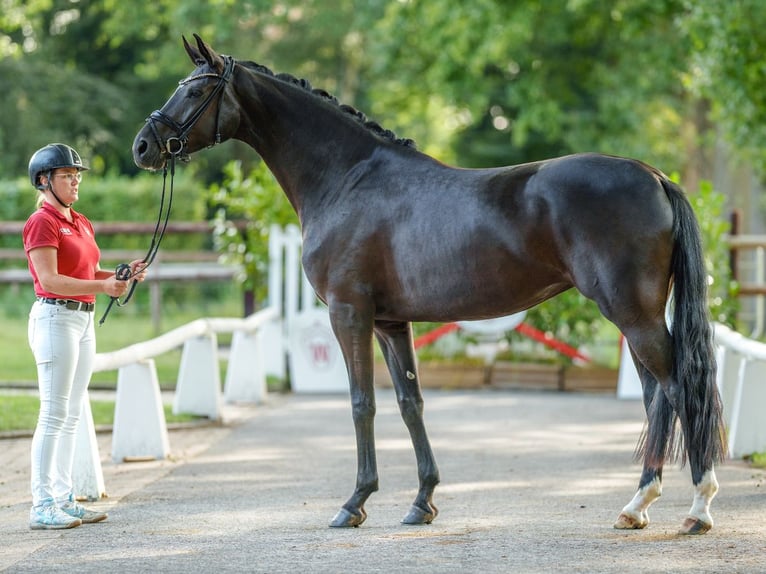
[635, 514]
[704, 493]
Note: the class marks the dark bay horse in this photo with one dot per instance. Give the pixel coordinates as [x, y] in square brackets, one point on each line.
[392, 236]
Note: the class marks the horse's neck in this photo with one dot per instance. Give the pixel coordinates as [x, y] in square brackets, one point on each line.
[307, 143]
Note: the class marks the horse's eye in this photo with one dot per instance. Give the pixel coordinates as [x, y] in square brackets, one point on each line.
[194, 93]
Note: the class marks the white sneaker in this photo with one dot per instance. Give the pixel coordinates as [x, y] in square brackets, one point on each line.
[77, 510]
[51, 517]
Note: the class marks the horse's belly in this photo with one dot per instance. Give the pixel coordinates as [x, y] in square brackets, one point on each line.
[465, 292]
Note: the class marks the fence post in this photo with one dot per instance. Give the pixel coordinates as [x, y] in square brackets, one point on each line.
[198, 389]
[87, 474]
[628, 381]
[316, 360]
[139, 429]
[729, 363]
[246, 375]
[747, 427]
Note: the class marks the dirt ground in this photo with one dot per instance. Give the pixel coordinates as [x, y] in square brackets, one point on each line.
[531, 482]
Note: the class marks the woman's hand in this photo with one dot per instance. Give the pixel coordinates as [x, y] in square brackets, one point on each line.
[138, 270]
[115, 287]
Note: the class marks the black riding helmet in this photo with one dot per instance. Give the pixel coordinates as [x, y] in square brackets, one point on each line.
[51, 157]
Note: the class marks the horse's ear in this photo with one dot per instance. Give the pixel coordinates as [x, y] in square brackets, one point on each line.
[194, 54]
[213, 59]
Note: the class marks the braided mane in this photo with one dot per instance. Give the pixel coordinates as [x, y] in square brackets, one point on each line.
[371, 125]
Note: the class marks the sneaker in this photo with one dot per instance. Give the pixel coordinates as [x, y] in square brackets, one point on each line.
[77, 510]
[50, 517]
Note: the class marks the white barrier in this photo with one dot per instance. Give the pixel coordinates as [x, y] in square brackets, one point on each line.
[628, 381]
[303, 337]
[742, 382]
[316, 361]
[139, 429]
[88, 478]
[198, 388]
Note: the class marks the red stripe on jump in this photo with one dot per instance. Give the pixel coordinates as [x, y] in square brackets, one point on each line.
[431, 336]
[549, 341]
[523, 328]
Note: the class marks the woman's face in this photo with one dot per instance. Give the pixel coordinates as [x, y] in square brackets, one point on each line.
[66, 183]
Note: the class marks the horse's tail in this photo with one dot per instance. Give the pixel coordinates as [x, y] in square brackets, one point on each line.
[698, 401]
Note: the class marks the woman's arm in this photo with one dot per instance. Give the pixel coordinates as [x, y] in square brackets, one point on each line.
[45, 263]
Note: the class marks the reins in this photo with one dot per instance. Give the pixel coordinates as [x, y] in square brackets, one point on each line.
[171, 147]
[123, 271]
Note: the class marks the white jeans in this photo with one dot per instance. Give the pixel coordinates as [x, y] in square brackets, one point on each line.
[64, 345]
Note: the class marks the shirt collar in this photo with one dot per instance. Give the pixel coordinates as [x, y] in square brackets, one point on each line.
[51, 209]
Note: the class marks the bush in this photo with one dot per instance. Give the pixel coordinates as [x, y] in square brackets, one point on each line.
[257, 201]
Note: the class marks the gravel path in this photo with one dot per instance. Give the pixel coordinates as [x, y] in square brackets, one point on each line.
[531, 482]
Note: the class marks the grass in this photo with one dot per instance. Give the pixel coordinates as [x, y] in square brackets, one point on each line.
[18, 412]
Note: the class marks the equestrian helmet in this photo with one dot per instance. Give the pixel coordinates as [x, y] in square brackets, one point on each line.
[51, 157]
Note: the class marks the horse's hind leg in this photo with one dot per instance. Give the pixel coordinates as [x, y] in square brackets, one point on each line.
[699, 520]
[663, 403]
[395, 340]
[635, 514]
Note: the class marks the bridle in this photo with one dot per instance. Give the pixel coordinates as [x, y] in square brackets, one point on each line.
[173, 148]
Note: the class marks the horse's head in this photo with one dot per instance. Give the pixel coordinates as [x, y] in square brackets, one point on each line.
[195, 116]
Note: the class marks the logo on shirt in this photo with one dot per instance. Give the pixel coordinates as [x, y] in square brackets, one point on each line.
[65, 231]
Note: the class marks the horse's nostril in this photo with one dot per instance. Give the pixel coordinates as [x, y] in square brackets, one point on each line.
[141, 147]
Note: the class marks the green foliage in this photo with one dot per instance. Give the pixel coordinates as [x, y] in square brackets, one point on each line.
[757, 459]
[117, 198]
[726, 67]
[488, 82]
[519, 81]
[709, 208]
[255, 201]
[569, 317]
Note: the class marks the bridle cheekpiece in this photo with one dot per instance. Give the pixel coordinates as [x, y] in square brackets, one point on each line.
[174, 145]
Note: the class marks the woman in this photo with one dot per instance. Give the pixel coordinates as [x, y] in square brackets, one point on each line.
[64, 262]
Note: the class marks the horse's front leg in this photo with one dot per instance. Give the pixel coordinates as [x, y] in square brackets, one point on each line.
[396, 343]
[352, 325]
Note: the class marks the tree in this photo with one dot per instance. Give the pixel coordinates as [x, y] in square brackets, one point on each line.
[555, 77]
[726, 67]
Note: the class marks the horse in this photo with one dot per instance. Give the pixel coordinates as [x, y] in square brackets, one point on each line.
[391, 236]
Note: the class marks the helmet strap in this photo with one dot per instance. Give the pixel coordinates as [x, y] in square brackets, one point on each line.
[50, 188]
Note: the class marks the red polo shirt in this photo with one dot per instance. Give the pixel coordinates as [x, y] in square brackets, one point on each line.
[75, 244]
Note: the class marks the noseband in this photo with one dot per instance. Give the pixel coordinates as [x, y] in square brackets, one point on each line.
[174, 146]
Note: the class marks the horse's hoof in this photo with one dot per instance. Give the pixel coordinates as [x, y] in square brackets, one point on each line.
[417, 515]
[628, 522]
[347, 519]
[694, 526]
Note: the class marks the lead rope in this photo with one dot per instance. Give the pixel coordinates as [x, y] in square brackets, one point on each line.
[123, 272]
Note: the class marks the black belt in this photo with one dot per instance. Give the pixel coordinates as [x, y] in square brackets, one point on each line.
[70, 304]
